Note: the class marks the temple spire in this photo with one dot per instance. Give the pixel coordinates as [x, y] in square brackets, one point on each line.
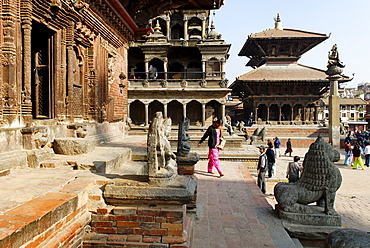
[278, 23]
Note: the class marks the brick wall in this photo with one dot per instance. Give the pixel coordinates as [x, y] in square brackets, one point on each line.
[139, 226]
[52, 220]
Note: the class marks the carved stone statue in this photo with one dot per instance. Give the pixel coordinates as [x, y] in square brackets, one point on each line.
[185, 160]
[320, 181]
[160, 157]
[183, 147]
[258, 135]
[240, 126]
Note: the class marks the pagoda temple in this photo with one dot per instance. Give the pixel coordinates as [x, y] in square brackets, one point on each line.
[280, 90]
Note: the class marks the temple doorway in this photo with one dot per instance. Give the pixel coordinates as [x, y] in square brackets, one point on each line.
[175, 111]
[42, 53]
[137, 112]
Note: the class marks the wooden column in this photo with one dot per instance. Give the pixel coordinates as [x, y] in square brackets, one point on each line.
[27, 70]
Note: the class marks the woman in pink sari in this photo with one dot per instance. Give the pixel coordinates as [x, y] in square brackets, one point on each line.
[214, 134]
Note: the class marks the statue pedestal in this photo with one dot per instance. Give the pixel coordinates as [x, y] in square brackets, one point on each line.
[137, 190]
[185, 165]
[309, 226]
[318, 217]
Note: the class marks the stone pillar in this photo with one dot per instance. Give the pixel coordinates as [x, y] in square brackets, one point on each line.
[223, 111]
[292, 114]
[203, 28]
[168, 34]
[268, 113]
[184, 108]
[316, 113]
[128, 110]
[165, 105]
[204, 68]
[279, 113]
[334, 115]
[165, 69]
[146, 114]
[203, 114]
[256, 114]
[186, 28]
[146, 65]
[222, 67]
[334, 72]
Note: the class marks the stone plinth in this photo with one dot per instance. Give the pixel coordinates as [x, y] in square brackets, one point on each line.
[318, 217]
[309, 232]
[137, 190]
[185, 165]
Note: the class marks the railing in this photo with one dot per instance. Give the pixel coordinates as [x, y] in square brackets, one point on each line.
[178, 75]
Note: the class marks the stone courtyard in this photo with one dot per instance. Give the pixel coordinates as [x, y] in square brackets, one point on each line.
[230, 211]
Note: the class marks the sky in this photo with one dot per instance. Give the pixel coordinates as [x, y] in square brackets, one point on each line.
[347, 22]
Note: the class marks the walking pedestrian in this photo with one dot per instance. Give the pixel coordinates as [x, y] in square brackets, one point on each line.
[289, 148]
[277, 144]
[269, 143]
[214, 133]
[270, 159]
[350, 155]
[347, 149]
[294, 170]
[357, 160]
[261, 169]
[367, 153]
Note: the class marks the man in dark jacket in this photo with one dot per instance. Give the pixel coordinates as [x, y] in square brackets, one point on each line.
[261, 169]
[270, 159]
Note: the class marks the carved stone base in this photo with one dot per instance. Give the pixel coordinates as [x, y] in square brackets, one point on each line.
[185, 165]
[309, 232]
[137, 190]
[318, 217]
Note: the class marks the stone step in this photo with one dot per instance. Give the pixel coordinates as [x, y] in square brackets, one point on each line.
[132, 168]
[12, 159]
[105, 159]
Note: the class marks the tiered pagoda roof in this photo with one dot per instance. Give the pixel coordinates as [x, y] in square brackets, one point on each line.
[279, 44]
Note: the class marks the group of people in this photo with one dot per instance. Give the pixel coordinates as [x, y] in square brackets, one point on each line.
[353, 152]
[267, 160]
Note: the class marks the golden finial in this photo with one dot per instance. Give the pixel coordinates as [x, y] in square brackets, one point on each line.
[157, 27]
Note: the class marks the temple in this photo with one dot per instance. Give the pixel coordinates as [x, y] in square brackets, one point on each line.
[178, 70]
[280, 90]
[64, 66]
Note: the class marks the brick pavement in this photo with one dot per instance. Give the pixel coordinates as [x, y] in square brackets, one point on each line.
[232, 211]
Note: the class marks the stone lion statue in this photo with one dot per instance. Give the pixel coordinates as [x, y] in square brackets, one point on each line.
[258, 134]
[320, 180]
